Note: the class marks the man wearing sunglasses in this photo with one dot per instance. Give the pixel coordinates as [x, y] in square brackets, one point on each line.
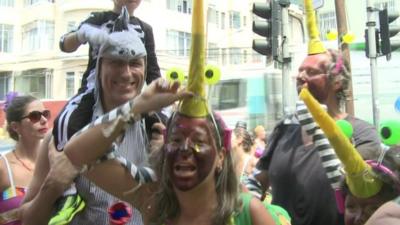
[120, 76]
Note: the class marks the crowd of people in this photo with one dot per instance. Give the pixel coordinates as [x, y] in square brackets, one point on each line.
[186, 166]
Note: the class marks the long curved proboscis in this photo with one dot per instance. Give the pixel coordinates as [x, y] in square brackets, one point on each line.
[359, 176]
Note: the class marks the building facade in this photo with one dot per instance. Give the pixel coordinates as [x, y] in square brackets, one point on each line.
[31, 62]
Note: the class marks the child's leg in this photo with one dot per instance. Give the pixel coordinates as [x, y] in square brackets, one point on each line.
[76, 114]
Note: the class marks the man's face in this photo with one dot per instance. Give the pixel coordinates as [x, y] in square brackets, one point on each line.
[191, 152]
[313, 72]
[130, 4]
[120, 80]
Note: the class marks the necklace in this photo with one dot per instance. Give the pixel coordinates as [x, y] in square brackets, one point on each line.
[22, 163]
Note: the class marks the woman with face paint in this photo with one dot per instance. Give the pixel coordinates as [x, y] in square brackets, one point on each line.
[198, 183]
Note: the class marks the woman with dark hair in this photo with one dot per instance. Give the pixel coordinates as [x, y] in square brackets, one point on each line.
[27, 124]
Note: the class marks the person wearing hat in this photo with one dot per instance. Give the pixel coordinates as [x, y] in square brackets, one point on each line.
[120, 76]
[196, 177]
[367, 184]
[94, 30]
[291, 165]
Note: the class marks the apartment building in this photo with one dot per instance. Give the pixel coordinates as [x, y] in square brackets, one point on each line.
[31, 62]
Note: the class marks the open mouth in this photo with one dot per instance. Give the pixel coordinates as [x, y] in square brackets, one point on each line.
[184, 170]
[181, 167]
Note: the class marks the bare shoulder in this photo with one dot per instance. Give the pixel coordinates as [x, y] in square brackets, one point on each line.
[4, 181]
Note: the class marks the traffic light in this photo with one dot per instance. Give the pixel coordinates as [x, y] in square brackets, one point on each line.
[268, 27]
[387, 31]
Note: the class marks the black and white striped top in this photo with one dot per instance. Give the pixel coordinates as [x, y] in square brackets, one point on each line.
[97, 200]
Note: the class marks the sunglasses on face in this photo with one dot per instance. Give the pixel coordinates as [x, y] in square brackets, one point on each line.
[35, 116]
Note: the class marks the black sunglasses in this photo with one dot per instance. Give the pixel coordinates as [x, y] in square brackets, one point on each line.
[35, 116]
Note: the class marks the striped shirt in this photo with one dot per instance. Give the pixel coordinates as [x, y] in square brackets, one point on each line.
[97, 200]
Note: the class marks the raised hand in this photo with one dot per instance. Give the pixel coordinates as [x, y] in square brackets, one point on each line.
[160, 93]
[93, 35]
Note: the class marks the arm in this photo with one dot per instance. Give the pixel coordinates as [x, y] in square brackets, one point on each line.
[259, 214]
[88, 146]
[42, 168]
[59, 177]
[153, 69]
[69, 42]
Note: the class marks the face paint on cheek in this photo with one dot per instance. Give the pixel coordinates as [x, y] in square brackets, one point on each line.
[188, 168]
[190, 164]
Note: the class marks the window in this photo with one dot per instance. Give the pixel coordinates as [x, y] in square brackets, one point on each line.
[245, 56]
[7, 3]
[235, 56]
[228, 95]
[391, 5]
[327, 21]
[222, 20]
[71, 26]
[223, 56]
[70, 84]
[212, 16]
[178, 43]
[5, 80]
[234, 20]
[38, 35]
[6, 37]
[183, 6]
[32, 2]
[37, 82]
[213, 53]
[244, 21]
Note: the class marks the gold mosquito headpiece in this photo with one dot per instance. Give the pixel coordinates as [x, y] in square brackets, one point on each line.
[315, 46]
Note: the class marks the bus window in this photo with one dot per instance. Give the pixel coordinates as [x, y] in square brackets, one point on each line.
[228, 95]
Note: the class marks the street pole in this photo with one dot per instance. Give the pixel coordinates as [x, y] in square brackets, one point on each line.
[373, 61]
[341, 21]
[285, 56]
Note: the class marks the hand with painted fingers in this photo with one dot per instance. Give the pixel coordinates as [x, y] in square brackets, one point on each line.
[62, 171]
[93, 35]
[160, 93]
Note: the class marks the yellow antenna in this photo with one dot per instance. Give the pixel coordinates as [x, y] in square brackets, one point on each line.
[197, 106]
[315, 46]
